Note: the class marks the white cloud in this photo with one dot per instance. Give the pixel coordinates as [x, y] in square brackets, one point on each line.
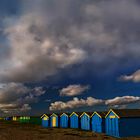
[122, 100]
[75, 103]
[135, 77]
[73, 90]
[117, 102]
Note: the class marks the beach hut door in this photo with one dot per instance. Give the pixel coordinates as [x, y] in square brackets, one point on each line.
[54, 121]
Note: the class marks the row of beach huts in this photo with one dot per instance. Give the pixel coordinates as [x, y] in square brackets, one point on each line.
[117, 123]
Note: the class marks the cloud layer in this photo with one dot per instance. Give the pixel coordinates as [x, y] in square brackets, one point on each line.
[75, 103]
[16, 97]
[73, 90]
[48, 36]
[90, 101]
[135, 77]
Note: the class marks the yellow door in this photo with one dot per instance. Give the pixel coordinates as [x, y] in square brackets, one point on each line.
[53, 121]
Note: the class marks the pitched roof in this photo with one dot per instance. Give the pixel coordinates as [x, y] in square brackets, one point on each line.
[127, 112]
[54, 114]
[77, 113]
[81, 113]
[67, 114]
[100, 114]
[44, 115]
[88, 113]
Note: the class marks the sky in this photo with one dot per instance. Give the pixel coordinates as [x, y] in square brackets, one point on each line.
[67, 55]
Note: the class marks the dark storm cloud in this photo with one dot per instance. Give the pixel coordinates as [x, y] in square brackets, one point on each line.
[17, 98]
[51, 35]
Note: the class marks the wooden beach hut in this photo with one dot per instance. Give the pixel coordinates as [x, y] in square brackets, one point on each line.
[8, 118]
[74, 120]
[15, 118]
[98, 122]
[64, 120]
[123, 122]
[45, 120]
[85, 121]
[54, 120]
[24, 119]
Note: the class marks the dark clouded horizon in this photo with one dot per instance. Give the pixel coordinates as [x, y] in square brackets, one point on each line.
[68, 52]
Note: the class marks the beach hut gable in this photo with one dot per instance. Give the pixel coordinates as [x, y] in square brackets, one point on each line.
[63, 114]
[54, 115]
[112, 114]
[44, 116]
[95, 113]
[84, 113]
[73, 113]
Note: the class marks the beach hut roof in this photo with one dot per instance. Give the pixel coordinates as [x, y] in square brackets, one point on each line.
[87, 113]
[54, 114]
[44, 115]
[77, 113]
[126, 113]
[100, 114]
[67, 114]
[80, 114]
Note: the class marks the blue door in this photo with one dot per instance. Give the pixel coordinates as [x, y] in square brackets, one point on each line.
[64, 121]
[96, 123]
[85, 122]
[112, 125]
[74, 121]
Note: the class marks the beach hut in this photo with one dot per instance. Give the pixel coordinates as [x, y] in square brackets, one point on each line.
[24, 119]
[54, 120]
[85, 121]
[98, 122]
[123, 122]
[15, 118]
[45, 120]
[64, 120]
[74, 120]
[8, 118]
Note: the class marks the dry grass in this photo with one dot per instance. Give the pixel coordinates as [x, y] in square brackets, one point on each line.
[16, 131]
